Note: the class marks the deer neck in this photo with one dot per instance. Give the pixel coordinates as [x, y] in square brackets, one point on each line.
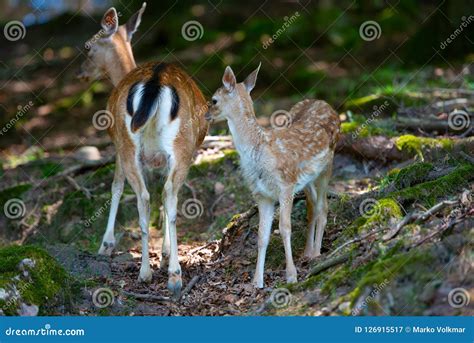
[247, 134]
[123, 63]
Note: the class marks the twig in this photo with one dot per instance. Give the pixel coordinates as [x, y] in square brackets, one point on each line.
[329, 263]
[357, 239]
[466, 156]
[395, 230]
[189, 286]
[78, 187]
[436, 208]
[192, 251]
[149, 297]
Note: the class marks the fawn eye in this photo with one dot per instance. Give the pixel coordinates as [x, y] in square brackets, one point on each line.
[214, 101]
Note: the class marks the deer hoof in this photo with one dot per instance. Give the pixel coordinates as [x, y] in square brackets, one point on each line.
[174, 284]
[145, 275]
[106, 248]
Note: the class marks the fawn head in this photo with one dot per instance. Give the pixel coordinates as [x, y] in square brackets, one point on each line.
[110, 45]
[228, 100]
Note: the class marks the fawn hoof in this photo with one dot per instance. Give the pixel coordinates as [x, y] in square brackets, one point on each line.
[174, 284]
[145, 274]
[106, 248]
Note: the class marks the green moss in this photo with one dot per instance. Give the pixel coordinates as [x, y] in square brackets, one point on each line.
[412, 175]
[415, 145]
[428, 192]
[214, 165]
[48, 279]
[361, 126]
[393, 264]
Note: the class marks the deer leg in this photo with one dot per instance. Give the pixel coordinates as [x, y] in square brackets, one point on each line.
[134, 176]
[266, 208]
[286, 205]
[165, 247]
[173, 184]
[108, 241]
[321, 209]
[311, 198]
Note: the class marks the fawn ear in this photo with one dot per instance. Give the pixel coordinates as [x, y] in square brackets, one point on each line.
[251, 79]
[134, 21]
[228, 80]
[109, 22]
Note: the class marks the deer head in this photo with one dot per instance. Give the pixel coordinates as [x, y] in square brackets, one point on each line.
[109, 50]
[232, 99]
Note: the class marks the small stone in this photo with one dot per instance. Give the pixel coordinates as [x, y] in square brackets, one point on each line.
[28, 310]
[219, 188]
[26, 263]
[345, 307]
[3, 294]
[87, 153]
[230, 298]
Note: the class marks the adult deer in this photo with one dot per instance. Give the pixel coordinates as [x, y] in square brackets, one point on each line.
[157, 120]
[277, 163]
[110, 50]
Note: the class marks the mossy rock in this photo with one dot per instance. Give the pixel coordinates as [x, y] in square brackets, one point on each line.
[429, 192]
[43, 282]
[415, 145]
[13, 192]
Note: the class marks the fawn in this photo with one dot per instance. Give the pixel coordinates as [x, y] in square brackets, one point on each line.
[277, 163]
[110, 50]
[158, 121]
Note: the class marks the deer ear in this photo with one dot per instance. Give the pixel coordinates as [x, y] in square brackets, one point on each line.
[134, 22]
[251, 79]
[109, 22]
[228, 80]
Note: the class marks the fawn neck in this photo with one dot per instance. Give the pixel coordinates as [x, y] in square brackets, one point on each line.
[246, 132]
[123, 63]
